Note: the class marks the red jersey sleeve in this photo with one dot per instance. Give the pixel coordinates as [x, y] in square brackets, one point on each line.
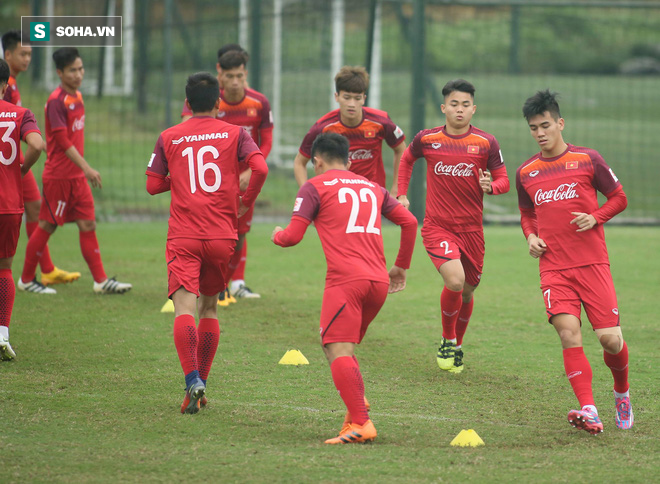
[394, 211]
[500, 182]
[294, 232]
[308, 202]
[57, 114]
[266, 115]
[29, 124]
[616, 203]
[393, 134]
[495, 160]
[158, 162]
[306, 145]
[523, 197]
[266, 141]
[405, 168]
[605, 181]
[61, 139]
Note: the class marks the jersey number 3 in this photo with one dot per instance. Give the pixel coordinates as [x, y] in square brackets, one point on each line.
[202, 168]
[365, 196]
[6, 138]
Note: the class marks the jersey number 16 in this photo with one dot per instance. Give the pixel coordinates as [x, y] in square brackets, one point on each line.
[202, 168]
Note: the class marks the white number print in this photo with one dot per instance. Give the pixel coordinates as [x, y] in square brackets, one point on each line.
[445, 245]
[365, 194]
[9, 126]
[59, 211]
[202, 168]
[546, 294]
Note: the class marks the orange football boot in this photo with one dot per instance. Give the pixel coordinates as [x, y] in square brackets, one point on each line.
[356, 434]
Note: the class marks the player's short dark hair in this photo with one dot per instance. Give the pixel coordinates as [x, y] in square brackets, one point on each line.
[10, 40]
[233, 59]
[331, 146]
[353, 79]
[229, 47]
[65, 57]
[4, 72]
[541, 102]
[202, 91]
[458, 85]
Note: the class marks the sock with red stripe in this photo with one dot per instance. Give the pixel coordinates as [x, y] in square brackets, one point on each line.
[463, 320]
[45, 262]
[185, 340]
[7, 296]
[578, 371]
[618, 364]
[208, 336]
[89, 246]
[450, 305]
[33, 252]
[348, 381]
[239, 272]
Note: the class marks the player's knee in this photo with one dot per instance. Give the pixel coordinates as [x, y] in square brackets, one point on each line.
[612, 343]
[454, 283]
[47, 226]
[570, 338]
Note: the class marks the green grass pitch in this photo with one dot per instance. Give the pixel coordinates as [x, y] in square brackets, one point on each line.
[95, 392]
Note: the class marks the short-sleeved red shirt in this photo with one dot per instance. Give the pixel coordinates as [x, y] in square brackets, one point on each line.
[15, 124]
[346, 210]
[365, 139]
[204, 158]
[454, 198]
[64, 111]
[555, 187]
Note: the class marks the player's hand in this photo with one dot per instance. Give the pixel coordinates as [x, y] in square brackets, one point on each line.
[94, 177]
[397, 280]
[242, 209]
[485, 181]
[244, 179]
[24, 170]
[536, 246]
[275, 230]
[585, 221]
[403, 200]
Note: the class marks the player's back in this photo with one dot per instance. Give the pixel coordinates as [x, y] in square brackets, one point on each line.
[15, 122]
[203, 159]
[348, 221]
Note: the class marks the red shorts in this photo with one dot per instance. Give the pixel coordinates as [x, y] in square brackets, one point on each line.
[592, 286]
[67, 201]
[349, 308]
[245, 221]
[30, 188]
[200, 266]
[469, 247]
[10, 228]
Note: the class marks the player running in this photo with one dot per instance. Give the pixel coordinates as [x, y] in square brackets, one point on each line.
[67, 195]
[462, 163]
[204, 158]
[18, 57]
[17, 124]
[346, 210]
[563, 225]
[365, 128]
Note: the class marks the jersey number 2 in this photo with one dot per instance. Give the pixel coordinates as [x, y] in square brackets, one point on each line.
[202, 168]
[365, 194]
[6, 138]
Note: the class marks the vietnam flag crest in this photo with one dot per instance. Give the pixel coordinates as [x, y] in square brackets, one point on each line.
[369, 133]
[473, 150]
[571, 165]
[252, 112]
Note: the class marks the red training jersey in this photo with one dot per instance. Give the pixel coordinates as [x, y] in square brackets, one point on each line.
[204, 157]
[454, 198]
[365, 140]
[346, 210]
[12, 95]
[64, 111]
[555, 187]
[15, 124]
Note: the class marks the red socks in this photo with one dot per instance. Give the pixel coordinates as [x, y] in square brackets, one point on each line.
[450, 305]
[208, 336]
[618, 364]
[7, 295]
[579, 374]
[185, 340]
[348, 381]
[463, 319]
[45, 262]
[239, 273]
[33, 252]
[92, 255]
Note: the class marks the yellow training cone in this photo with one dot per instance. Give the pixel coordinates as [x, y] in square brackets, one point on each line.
[467, 438]
[293, 357]
[168, 307]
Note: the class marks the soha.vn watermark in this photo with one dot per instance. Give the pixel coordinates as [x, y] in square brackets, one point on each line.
[80, 31]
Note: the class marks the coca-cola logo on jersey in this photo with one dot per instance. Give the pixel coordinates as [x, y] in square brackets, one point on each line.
[459, 169]
[78, 124]
[565, 191]
[360, 154]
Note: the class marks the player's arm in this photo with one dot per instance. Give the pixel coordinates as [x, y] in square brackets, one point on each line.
[158, 180]
[615, 204]
[300, 168]
[93, 176]
[405, 172]
[34, 148]
[293, 233]
[396, 213]
[528, 221]
[249, 153]
[158, 183]
[265, 145]
[495, 182]
[398, 153]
